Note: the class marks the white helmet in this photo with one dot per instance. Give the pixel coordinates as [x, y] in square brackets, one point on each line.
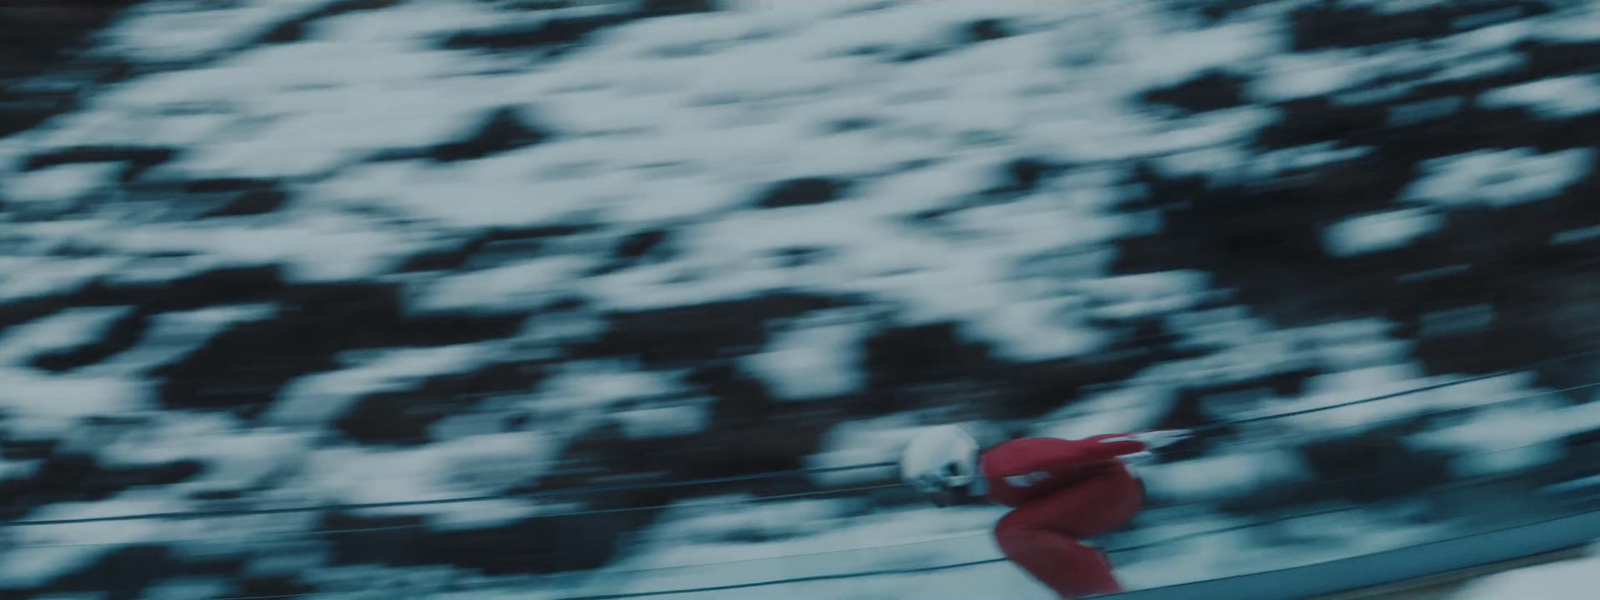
[939, 459]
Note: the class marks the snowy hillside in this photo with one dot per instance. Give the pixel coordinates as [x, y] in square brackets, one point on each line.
[283, 254]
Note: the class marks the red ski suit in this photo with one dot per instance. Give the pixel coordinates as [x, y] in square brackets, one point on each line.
[1063, 491]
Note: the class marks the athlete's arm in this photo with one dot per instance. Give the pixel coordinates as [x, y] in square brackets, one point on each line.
[1028, 461]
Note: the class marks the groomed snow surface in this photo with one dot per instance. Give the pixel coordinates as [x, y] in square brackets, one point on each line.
[678, 123]
[1567, 580]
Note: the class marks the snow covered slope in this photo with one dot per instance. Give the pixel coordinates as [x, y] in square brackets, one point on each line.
[290, 253]
[1565, 580]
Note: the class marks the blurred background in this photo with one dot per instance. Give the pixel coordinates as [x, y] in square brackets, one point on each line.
[602, 298]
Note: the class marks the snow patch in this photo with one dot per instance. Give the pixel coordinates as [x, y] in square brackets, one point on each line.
[757, 521]
[1336, 391]
[65, 329]
[578, 389]
[498, 192]
[514, 287]
[1555, 98]
[1379, 231]
[61, 549]
[1518, 432]
[1499, 178]
[40, 406]
[316, 398]
[312, 247]
[1145, 294]
[671, 420]
[729, 549]
[174, 335]
[808, 362]
[235, 458]
[57, 184]
[470, 466]
[865, 442]
[25, 276]
[1566, 580]
[1223, 476]
[1117, 411]
[180, 31]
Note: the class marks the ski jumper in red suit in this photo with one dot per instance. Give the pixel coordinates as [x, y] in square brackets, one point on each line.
[1063, 491]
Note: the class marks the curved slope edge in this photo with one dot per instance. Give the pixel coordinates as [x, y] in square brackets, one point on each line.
[1390, 566]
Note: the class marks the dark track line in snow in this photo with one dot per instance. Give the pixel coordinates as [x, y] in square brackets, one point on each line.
[974, 534]
[456, 500]
[409, 526]
[775, 474]
[1417, 390]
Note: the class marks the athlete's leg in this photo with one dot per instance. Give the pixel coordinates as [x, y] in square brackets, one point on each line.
[1061, 563]
[1044, 537]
